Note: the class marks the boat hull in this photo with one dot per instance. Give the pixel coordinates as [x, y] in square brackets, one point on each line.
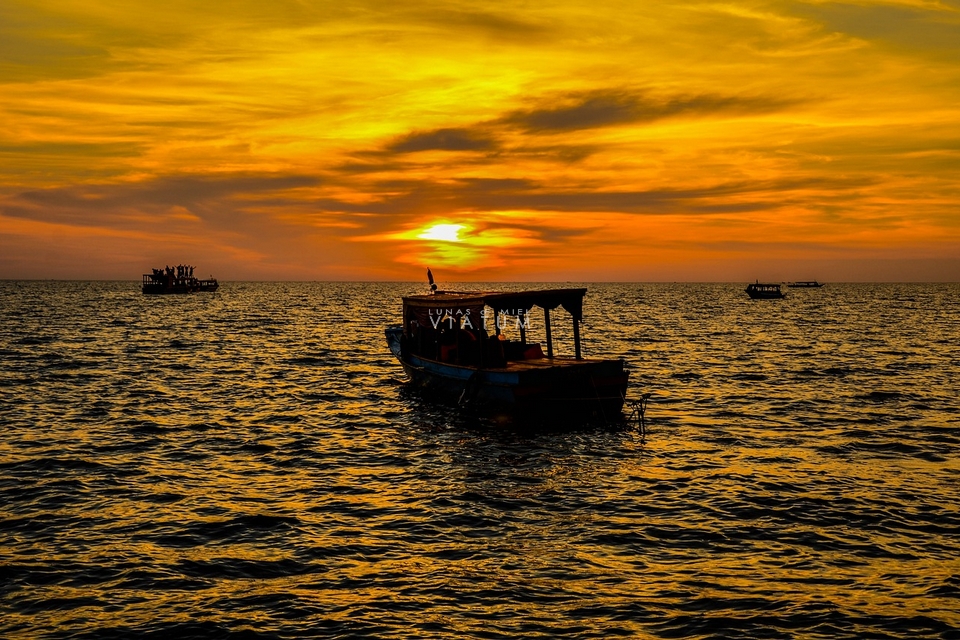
[546, 388]
[162, 288]
[760, 291]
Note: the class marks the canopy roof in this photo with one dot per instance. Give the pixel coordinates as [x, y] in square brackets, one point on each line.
[569, 299]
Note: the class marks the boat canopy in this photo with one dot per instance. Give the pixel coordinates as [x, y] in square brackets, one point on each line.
[471, 304]
[569, 299]
[430, 310]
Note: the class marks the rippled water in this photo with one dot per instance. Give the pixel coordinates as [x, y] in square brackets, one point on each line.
[248, 464]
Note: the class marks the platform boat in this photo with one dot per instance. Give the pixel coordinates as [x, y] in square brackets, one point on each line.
[449, 353]
[764, 291]
[175, 280]
[805, 284]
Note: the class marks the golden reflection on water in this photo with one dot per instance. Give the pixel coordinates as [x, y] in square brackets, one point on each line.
[271, 474]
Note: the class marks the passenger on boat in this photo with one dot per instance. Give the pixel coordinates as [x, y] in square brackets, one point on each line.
[533, 352]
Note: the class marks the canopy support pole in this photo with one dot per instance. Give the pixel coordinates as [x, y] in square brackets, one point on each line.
[482, 342]
[546, 324]
[576, 338]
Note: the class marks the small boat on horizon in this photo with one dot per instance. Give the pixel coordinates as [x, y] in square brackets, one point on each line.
[176, 280]
[805, 284]
[764, 291]
[447, 352]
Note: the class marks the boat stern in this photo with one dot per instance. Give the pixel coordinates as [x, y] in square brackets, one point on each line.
[394, 335]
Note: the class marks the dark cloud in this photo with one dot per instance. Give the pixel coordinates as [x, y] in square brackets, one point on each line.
[113, 203]
[360, 168]
[607, 108]
[934, 27]
[401, 199]
[394, 158]
[82, 149]
[443, 140]
[243, 203]
[567, 113]
[484, 23]
[31, 47]
[561, 153]
[187, 190]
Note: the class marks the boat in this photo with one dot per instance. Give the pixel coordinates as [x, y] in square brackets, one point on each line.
[764, 291]
[805, 284]
[173, 280]
[448, 352]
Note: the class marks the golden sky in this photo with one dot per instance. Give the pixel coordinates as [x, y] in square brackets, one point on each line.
[576, 140]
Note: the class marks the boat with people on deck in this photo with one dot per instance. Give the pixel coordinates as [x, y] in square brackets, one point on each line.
[179, 279]
[805, 284]
[449, 353]
[764, 291]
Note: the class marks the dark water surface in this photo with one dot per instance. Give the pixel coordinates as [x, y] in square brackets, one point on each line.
[247, 464]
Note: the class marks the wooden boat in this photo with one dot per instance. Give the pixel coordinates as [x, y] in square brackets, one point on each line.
[805, 284]
[764, 291]
[173, 280]
[448, 353]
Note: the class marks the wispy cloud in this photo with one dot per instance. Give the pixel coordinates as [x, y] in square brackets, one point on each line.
[443, 140]
[607, 108]
[498, 25]
[97, 204]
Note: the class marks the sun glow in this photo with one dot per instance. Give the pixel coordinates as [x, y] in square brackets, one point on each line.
[445, 232]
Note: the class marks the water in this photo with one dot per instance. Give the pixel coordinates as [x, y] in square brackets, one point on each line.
[248, 464]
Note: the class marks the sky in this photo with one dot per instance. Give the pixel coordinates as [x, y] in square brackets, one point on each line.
[527, 141]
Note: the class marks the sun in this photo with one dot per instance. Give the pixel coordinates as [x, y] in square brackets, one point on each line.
[445, 232]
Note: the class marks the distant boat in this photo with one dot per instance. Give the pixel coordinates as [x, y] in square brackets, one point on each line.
[173, 280]
[447, 352]
[805, 284]
[764, 291]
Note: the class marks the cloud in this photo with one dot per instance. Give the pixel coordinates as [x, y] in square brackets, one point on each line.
[33, 45]
[57, 149]
[443, 140]
[577, 111]
[487, 23]
[400, 200]
[924, 28]
[207, 197]
[605, 108]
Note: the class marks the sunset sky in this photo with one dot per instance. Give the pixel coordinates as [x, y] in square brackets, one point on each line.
[305, 140]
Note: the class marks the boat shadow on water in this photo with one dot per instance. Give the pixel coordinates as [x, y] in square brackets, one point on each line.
[436, 412]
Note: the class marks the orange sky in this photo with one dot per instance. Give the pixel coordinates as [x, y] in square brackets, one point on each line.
[584, 141]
